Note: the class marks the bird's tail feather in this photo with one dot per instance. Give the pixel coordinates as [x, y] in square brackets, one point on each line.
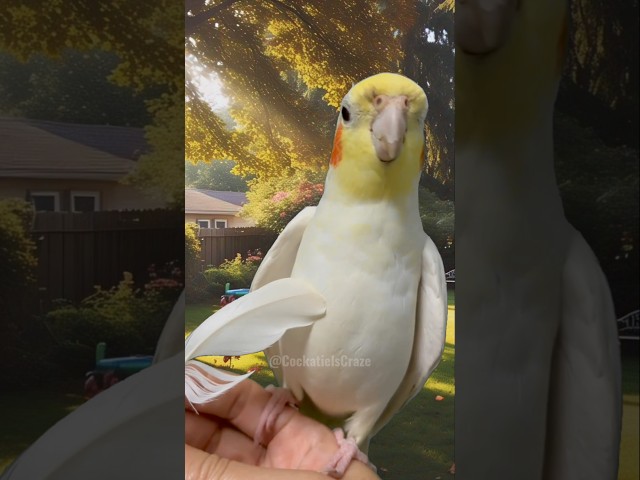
[202, 388]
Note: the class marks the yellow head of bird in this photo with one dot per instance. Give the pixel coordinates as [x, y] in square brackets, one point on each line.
[379, 143]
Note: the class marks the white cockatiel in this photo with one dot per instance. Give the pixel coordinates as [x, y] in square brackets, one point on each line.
[537, 364]
[380, 323]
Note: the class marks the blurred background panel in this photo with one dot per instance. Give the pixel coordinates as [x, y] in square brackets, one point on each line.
[586, 59]
[91, 203]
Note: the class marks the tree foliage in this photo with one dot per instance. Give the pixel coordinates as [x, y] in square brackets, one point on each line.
[601, 81]
[73, 88]
[147, 37]
[599, 187]
[273, 202]
[285, 67]
[17, 251]
[603, 57]
[596, 138]
[214, 176]
[438, 219]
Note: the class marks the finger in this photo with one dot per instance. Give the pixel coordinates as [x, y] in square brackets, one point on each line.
[301, 442]
[304, 443]
[242, 406]
[200, 465]
[220, 437]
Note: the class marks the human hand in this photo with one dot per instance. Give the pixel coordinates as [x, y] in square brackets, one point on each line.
[219, 442]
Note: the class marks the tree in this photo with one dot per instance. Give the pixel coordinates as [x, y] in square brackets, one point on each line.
[273, 202]
[147, 37]
[429, 55]
[285, 67]
[17, 285]
[17, 282]
[599, 188]
[73, 88]
[597, 166]
[217, 175]
[17, 275]
[601, 81]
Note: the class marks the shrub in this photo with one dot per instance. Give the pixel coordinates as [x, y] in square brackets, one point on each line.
[191, 250]
[17, 285]
[218, 277]
[273, 202]
[165, 282]
[438, 218]
[197, 287]
[17, 251]
[238, 273]
[128, 319]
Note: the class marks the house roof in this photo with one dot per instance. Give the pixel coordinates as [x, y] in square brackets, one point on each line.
[41, 149]
[123, 142]
[213, 201]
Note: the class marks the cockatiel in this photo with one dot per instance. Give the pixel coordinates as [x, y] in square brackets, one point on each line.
[375, 326]
[537, 364]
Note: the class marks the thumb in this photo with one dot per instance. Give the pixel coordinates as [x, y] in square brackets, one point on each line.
[199, 465]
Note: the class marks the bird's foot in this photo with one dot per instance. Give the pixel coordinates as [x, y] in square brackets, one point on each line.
[280, 398]
[348, 450]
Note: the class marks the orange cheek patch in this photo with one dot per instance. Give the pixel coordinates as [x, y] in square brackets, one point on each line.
[336, 153]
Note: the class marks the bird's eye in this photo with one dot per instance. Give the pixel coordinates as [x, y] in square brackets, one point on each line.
[346, 116]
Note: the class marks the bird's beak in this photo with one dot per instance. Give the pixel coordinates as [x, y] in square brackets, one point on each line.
[389, 126]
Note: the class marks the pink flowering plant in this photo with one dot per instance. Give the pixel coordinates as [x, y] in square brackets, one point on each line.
[274, 202]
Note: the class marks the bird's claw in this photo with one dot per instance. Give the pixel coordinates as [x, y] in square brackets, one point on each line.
[280, 398]
[348, 450]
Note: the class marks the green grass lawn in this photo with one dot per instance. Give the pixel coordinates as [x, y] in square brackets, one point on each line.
[197, 313]
[418, 442]
[630, 445]
[25, 415]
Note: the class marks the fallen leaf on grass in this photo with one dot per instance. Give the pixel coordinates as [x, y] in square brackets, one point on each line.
[439, 398]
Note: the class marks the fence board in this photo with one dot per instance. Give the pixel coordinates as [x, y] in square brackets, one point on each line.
[218, 245]
[77, 251]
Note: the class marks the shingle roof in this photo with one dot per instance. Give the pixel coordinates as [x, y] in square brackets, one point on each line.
[236, 198]
[213, 201]
[124, 142]
[39, 149]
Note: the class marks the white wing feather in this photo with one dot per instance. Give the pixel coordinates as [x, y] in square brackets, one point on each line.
[430, 331]
[249, 324]
[257, 320]
[279, 260]
[278, 263]
[585, 400]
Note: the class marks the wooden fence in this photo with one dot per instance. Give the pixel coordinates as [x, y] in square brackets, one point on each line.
[218, 245]
[79, 250]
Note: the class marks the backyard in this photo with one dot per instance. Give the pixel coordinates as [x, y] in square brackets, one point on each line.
[419, 437]
[418, 442]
